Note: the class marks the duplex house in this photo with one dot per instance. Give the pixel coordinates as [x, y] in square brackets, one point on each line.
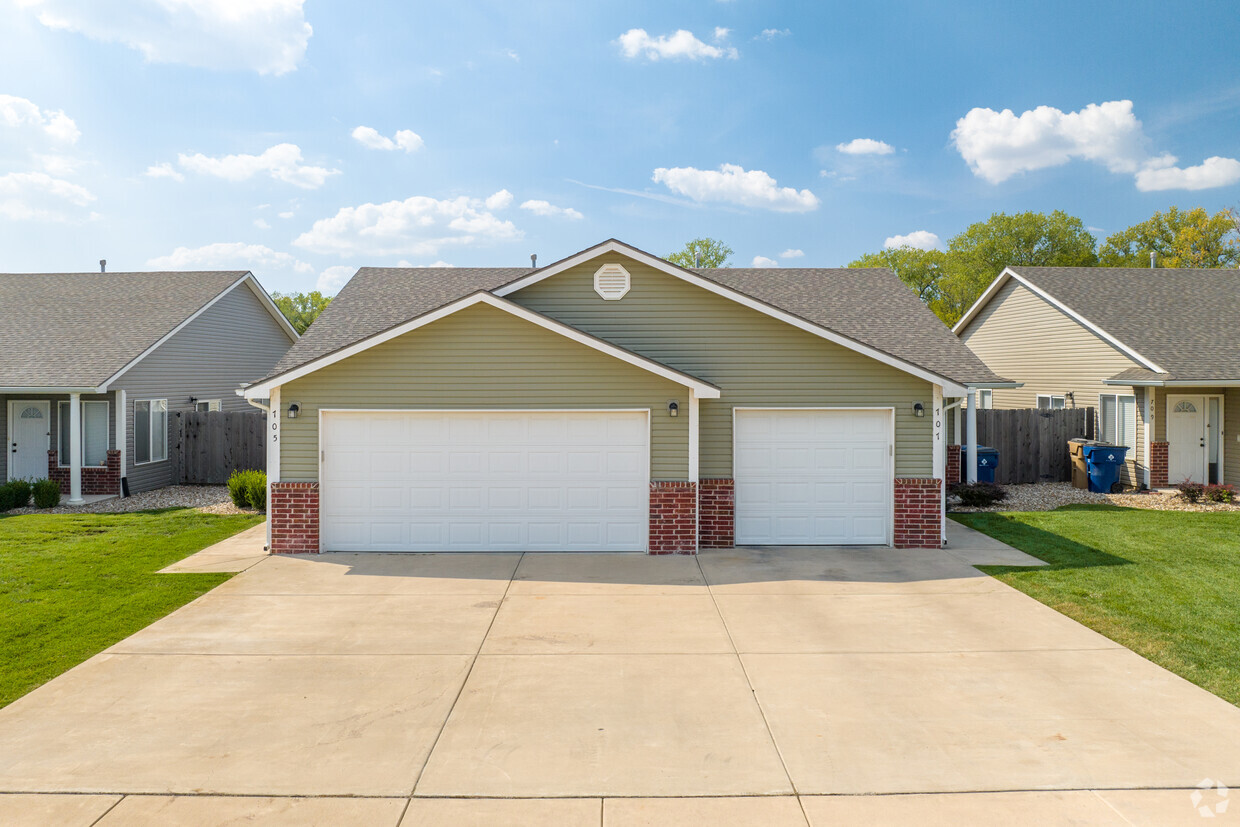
[1155, 353]
[92, 364]
[613, 401]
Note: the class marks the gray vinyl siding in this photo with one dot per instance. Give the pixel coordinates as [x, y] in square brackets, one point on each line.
[54, 422]
[1021, 336]
[235, 340]
[1231, 429]
[481, 358]
[758, 361]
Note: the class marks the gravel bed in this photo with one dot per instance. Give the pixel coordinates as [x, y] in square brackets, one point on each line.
[209, 499]
[1048, 496]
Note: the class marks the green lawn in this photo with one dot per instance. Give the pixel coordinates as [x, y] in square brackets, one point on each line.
[1166, 584]
[72, 585]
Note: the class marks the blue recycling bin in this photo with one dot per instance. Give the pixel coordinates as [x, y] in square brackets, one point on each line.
[987, 462]
[1104, 462]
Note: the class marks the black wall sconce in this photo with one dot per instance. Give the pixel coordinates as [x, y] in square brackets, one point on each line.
[673, 408]
[293, 410]
[919, 409]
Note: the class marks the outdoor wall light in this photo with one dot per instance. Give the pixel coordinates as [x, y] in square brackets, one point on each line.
[673, 408]
[919, 409]
[293, 410]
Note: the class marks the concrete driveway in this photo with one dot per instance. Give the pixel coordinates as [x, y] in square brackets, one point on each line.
[747, 686]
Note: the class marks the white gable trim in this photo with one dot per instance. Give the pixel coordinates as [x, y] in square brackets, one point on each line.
[1009, 273]
[949, 387]
[248, 280]
[704, 390]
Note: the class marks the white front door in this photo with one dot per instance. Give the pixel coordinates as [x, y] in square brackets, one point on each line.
[30, 434]
[813, 477]
[1186, 438]
[485, 480]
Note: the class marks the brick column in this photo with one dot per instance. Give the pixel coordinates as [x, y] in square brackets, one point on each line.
[716, 513]
[294, 514]
[953, 465]
[1159, 464]
[673, 518]
[919, 513]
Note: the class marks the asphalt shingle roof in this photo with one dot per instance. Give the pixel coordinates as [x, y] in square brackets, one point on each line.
[1186, 321]
[870, 306]
[78, 329]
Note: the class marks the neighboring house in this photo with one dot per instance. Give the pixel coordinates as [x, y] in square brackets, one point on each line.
[119, 352]
[613, 401]
[1156, 353]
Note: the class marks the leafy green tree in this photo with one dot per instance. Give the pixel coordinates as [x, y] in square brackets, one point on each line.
[301, 309]
[1179, 238]
[702, 252]
[921, 270]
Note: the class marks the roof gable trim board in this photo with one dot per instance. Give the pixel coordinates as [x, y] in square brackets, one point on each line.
[703, 390]
[950, 387]
[1009, 273]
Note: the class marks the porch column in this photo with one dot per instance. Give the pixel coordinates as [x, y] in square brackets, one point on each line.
[970, 467]
[75, 449]
[122, 415]
[694, 472]
[940, 458]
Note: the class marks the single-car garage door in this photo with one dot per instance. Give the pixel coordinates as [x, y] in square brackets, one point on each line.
[813, 477]
[485, 480]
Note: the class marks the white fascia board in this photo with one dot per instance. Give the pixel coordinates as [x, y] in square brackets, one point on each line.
[999, 281]
[993, 385]
[703, 390]
[48, 389]
[270, 306]
[1135, 383]
[728, 293]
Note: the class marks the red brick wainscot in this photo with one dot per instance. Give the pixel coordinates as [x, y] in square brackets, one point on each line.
[96, 479]
[293, 509]
[673, 518]
[716, 513]
[1159, 464]
[919, 513]
[953, 465]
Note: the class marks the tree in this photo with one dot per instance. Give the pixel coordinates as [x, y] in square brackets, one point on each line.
[301, 309]
[922, 270]
[1179, 238]
[702, 252]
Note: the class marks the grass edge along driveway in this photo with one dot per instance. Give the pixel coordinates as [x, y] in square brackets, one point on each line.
[71, 585]
[1165, 584]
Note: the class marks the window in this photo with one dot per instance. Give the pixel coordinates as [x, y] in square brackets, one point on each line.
[94, 433]
[207, 405]
[150, 431]
[1118, 419]
[611, 281]
[985, 400]
[1048, 402]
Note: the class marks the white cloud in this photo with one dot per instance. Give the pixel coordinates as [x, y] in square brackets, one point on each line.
[262, 224]
[265, 36]
[792, 253]
[38, 196]
[417, 226]
[59, 165]
[282, 162]
[333, 278]
[722, 33]
[288, 214]
[1162, 174]
[731, 184]
[682, 45]
[163, 170]
[547, 209]
[18, 112]
[865, 146]
[763, 261]
[511, 53]
[499, 201]
[226, 255]
[405, 139]
[771, 34]
[921, 239]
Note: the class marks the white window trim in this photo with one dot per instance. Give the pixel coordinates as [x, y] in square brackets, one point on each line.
[1115, 425]
[212, 404]
[150, 423]
[1051, 397]
[63, 462]
[985, 399]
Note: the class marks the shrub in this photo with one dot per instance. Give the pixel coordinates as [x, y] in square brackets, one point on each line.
[7, 497]
[19, 492]
[257, 491]
[238, 489]
[1191, 491]
[248, 489]
[979, 494]
[1220, 493]
[46, 494]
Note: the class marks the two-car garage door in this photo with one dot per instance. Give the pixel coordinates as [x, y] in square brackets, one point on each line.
[485, 480]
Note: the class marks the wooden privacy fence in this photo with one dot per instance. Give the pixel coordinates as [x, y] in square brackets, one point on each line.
[205, 447]
[1033, 442]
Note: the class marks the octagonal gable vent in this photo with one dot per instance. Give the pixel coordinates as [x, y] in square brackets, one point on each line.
[611, 281]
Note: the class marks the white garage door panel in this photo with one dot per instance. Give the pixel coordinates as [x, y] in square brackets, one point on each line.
[813, 477]
[485, 481]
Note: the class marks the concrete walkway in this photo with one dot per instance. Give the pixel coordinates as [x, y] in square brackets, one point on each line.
[746, 686]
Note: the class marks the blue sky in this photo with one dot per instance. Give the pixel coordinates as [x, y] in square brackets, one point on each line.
[225, 133]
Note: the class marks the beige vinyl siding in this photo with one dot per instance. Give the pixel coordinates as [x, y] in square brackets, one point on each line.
[758, 361]
[1021, 336]
[482, 357]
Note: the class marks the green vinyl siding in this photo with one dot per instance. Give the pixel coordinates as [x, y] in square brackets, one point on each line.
[757, 360]
[482, 358]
